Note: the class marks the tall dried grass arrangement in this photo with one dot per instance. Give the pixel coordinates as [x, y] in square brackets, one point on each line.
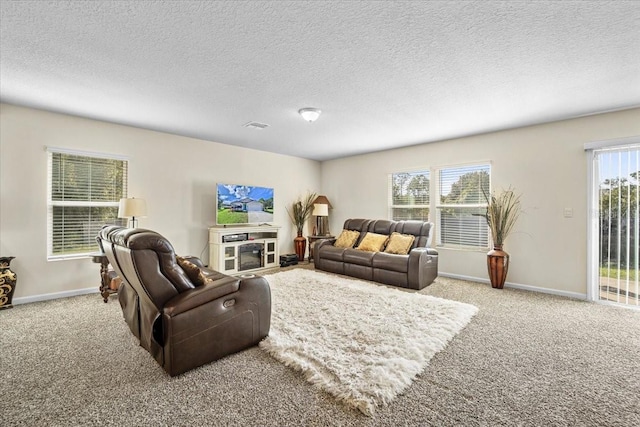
[301, 211]
[503, 210]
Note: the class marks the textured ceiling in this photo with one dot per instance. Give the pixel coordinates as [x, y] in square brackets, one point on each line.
[385, 74]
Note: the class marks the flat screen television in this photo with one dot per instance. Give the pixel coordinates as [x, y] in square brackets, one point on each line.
[244, 204]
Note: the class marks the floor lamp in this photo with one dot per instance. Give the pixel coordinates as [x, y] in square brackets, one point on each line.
[132, 208]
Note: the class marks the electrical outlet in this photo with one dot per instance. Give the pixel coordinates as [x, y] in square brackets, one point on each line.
[568, 212]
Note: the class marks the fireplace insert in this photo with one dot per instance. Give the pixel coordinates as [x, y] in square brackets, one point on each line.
[250, 256]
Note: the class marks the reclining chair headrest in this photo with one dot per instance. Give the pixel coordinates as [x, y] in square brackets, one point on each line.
[136, 238]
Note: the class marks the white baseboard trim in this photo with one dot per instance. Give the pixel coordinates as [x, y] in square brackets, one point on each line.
[54, 295]
[66, 294]
[574, 295]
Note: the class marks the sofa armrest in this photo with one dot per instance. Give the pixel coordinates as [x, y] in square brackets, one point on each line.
[258, 292]
[201, 295]
[422, 253]
[423, 267]
[432, 251]
[316, 248]
[323, 242]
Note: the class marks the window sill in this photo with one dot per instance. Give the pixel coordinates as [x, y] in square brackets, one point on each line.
[69, 257]
[462, 248]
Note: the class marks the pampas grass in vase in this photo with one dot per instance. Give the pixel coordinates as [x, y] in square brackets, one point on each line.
[300, 212]
[503, 211]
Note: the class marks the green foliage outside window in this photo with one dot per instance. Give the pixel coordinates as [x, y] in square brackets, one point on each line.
[468, 189]
[462, 203]
[619, 217]
[410, 196]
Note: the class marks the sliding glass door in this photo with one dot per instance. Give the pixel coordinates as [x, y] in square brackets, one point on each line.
[615, 224]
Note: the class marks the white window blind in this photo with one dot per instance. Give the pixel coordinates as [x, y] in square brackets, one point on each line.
[462, 204]
[84, 192]
[618, 179]
[409, 195]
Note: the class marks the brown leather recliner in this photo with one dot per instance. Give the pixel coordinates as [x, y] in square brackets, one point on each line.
[181, 323]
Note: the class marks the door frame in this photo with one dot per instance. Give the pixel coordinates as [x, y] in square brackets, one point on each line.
[593, 214]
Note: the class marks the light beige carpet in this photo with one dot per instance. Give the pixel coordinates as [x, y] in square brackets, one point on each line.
[360, 342]
[526, 359]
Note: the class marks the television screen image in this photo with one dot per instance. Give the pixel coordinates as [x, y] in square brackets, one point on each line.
[244, 204]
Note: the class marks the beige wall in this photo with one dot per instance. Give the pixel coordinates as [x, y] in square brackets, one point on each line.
[176, 176]
[546, 163]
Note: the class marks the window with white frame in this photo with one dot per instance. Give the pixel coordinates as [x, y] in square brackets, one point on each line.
[462, 204]
[409, 195]
[83, 195]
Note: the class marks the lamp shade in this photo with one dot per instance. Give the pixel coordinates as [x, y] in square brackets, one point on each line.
[132, 208]
[320, 210]
[323, 201]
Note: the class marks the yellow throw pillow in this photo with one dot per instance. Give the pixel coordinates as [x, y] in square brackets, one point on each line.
[193, 271]
[373, 242]
[347, 239]
[399, 244]
[203, 279]
[190, 268]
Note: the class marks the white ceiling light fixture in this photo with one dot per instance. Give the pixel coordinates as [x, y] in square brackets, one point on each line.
[310, 114]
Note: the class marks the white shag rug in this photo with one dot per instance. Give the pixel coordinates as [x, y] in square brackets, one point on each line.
[358, 341]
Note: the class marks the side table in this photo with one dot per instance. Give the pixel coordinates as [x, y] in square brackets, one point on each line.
[105, 276]
[313, 239]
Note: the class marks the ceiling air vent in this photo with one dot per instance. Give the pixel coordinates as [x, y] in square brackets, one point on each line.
[256, 125]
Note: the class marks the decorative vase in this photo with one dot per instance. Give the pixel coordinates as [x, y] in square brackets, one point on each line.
[7, 282]
[300, 244]
[498, 265]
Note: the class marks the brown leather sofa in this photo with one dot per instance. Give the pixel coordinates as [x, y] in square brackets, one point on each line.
[417, 269]
[185, 315]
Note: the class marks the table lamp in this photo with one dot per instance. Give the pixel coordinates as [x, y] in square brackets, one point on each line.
[321, 212]
[132, 208]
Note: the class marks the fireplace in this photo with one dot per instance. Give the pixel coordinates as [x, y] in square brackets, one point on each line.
[250, 256]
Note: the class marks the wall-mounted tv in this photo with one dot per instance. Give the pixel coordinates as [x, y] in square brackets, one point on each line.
[244, 204]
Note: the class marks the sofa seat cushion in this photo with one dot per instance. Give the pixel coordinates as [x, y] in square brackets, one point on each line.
[391, 262]
[211, 275]
[358, 257]
[331, 252]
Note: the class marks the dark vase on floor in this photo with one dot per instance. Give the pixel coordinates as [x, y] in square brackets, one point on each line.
[7, 282]
[300, 244]
[498, 265]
